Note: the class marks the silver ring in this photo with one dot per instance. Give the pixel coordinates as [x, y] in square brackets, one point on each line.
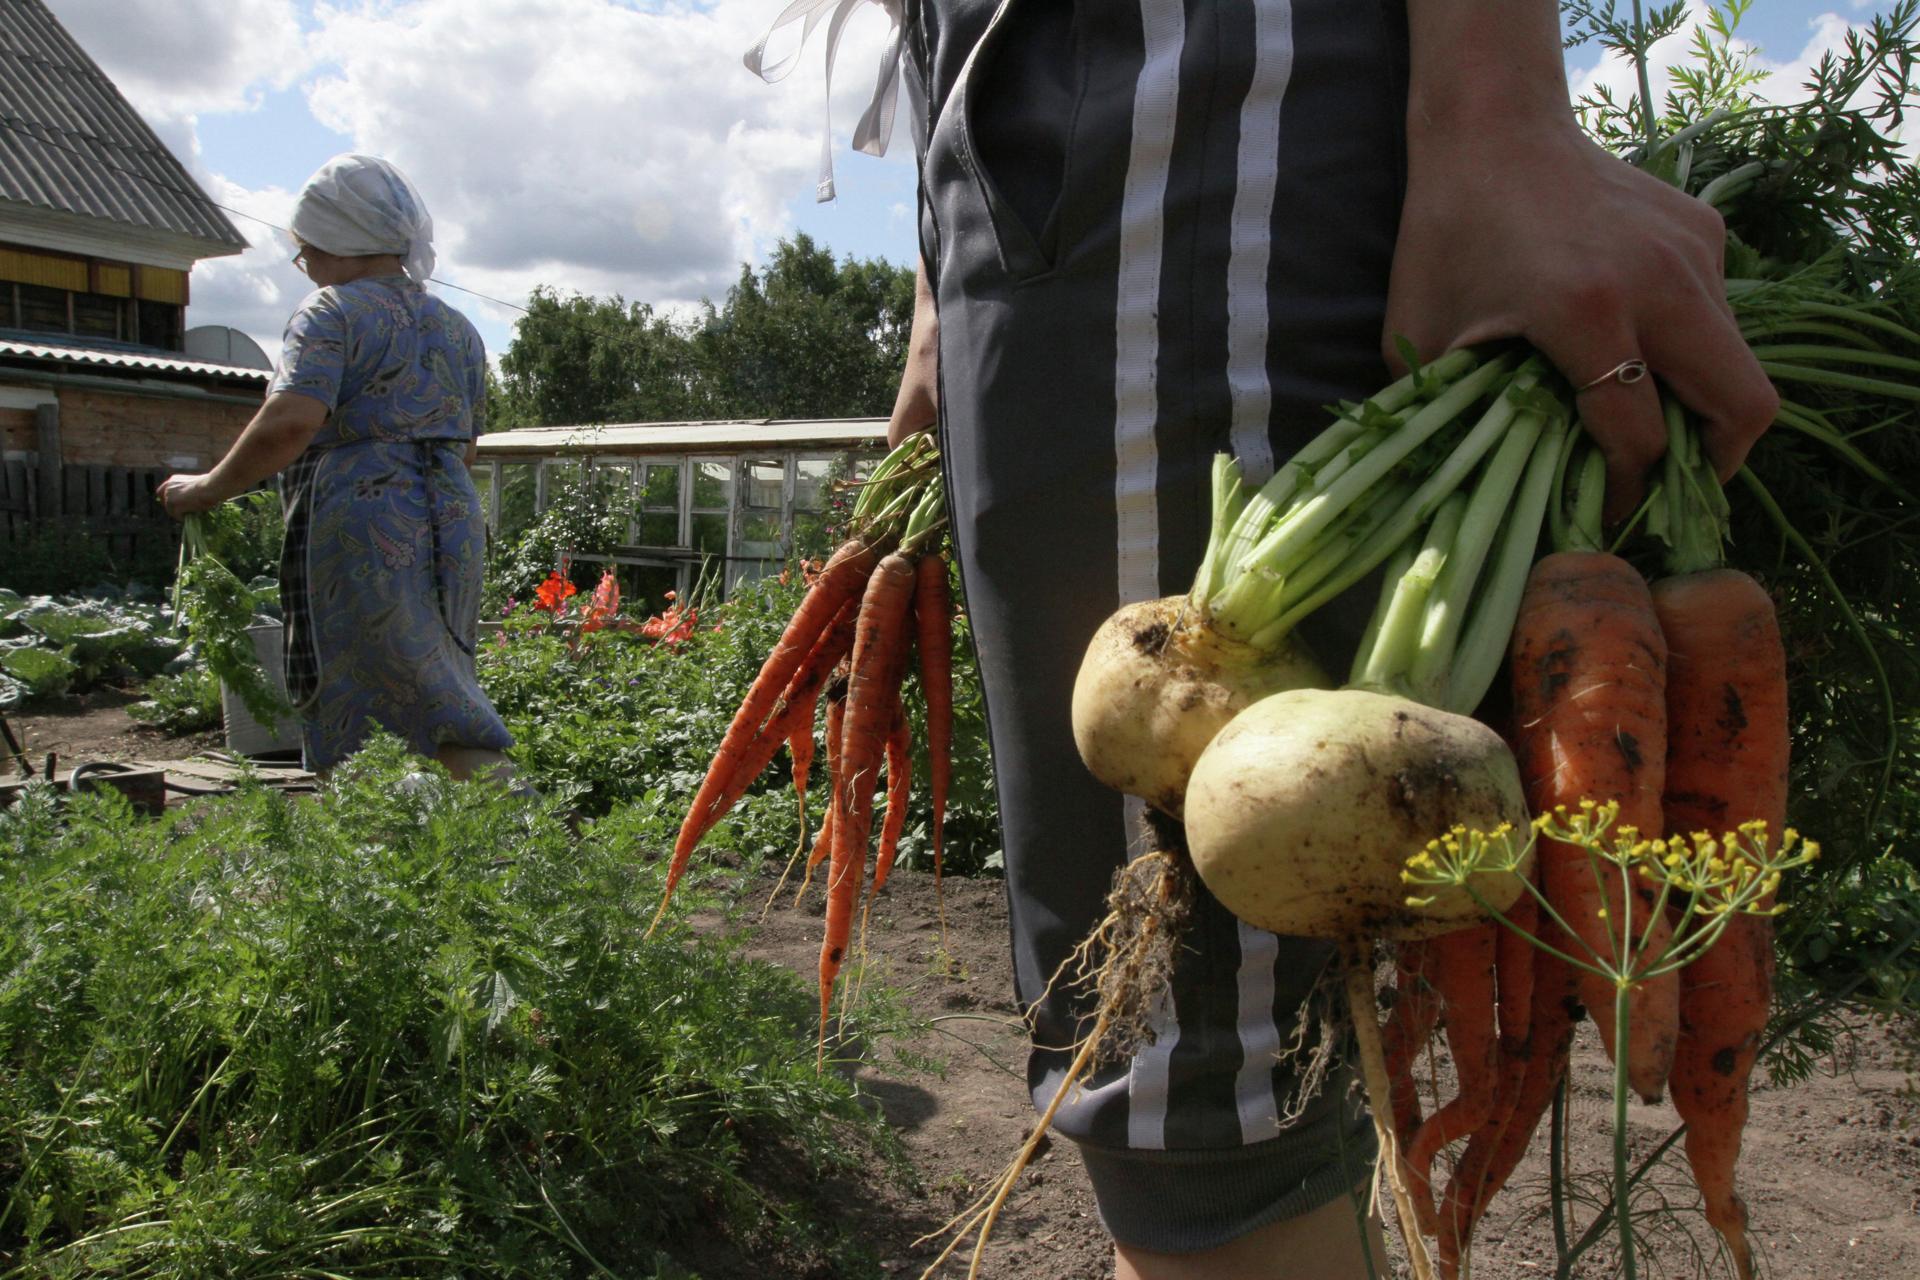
[1626, 373]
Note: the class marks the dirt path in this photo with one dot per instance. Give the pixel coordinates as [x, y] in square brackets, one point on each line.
[95, 726]
[1831, 1171]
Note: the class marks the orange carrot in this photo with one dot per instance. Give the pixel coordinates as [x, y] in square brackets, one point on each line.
[899, 780]
[1727, 748]
[742, 762]
[836, 696]
[1462, 974]
[1467, 1193]
[1495, 1152]
[879, 660]
[800, 745]
[933, 622]
[1416, 1009]
[1589, 686]
[837, 584]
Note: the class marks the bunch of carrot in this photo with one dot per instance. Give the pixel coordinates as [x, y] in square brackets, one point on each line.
[881, 595]
[1670, 700]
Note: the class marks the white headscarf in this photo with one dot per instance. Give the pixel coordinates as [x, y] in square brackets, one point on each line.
[357, 206]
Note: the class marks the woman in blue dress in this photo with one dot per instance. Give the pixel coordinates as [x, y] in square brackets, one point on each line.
[370, 423]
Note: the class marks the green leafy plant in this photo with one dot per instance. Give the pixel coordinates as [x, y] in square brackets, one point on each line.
[46, 673]
[408, 1029]
[216, 608]
[177, 704]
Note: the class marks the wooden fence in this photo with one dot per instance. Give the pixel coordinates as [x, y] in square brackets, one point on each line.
[116, 504]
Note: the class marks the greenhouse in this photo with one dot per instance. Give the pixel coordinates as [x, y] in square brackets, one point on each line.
[728, 501]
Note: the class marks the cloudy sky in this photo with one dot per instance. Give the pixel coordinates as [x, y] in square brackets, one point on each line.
[598, 146]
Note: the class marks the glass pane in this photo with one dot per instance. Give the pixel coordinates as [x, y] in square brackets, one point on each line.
[749, 570]
[765, 481]
[659, 529]
[613, 484]
[761, 529]
[483, 485]
[562, 476]
[662, 487]
[864, 463]
[96, 315]
[710, 534]
[516, 500]
[712, 485]
[644, 587]
[810, 481]
[811, 540]
[43, 308]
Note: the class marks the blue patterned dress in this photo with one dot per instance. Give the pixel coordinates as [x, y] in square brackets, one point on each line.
[380, 574]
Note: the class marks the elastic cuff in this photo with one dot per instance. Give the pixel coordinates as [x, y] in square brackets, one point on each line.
[1189, 1201]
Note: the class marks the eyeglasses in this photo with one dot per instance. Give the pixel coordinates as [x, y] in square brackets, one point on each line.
[300, 258]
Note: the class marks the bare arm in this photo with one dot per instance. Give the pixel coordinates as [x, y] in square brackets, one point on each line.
[278, 433]
[917, 407]
[1515, 224]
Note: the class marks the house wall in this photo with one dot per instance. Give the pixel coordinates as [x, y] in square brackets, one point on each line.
[16, 430]
[105, 428]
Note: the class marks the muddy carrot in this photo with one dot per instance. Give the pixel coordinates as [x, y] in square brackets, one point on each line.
[1589, 686]
[1727, 749]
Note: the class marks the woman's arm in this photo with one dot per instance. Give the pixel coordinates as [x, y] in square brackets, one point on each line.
[917, 406]
[1515, 224]
[279, 433]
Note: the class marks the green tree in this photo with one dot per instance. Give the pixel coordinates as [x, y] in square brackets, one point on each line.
[808, 338]
[580, 359]
[805, 337]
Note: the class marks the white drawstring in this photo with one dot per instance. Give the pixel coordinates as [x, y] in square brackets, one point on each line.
[875, 129]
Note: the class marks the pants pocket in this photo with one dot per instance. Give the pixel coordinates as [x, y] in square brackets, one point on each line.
[1019, 103]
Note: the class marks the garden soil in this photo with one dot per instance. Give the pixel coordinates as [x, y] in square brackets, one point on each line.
[1831, 1170]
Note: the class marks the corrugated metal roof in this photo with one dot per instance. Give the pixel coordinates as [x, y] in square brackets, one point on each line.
[633, 438]
[127, 357]
[69, 142]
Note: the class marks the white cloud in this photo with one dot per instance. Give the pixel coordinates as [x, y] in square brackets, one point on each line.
[586, 144]
[583, 143]
[182, 58]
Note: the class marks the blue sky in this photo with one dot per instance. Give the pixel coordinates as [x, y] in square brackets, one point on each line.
[589, 145]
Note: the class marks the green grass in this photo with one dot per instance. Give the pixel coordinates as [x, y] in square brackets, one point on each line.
[408, 1029]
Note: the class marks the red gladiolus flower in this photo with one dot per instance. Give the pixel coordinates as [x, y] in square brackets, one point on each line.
[604, 605]
[553, 593]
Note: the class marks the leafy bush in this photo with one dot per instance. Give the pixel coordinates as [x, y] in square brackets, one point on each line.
[409, 1029]
[184, 703]
[617, 716]
[573, 522]
[46, 673]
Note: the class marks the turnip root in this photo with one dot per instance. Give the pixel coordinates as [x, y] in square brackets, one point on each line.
[1302, 813]
[1156, 686]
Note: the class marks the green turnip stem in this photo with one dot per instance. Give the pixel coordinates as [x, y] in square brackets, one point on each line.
[1357, 481]
[1691, 507]
[1384, 665]
[1430, 673]
[1359, 433]
[1829, 378]
[1445, 478]
[1731, 183]
[1814, 353]
[1483, 642]
[1810, 424]
[1230, 498]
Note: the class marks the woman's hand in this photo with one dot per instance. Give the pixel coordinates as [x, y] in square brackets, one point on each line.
[1515, 224]
[917, 405]
[182, 495]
